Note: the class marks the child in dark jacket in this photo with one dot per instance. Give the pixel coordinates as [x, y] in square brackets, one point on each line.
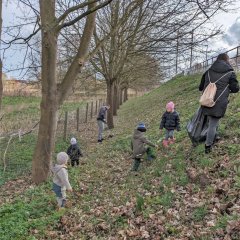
[74, 152]
[170, 121]
[138, 146]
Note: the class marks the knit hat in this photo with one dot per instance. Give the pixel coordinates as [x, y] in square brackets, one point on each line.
[170, 105]
[62, 158]
[73, 141]
[141, 126]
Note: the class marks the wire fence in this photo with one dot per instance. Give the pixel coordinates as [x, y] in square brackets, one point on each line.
[233, 53]
[18, 139]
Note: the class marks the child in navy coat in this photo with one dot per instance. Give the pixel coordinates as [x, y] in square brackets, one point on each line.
[74, 152]
[171, 122]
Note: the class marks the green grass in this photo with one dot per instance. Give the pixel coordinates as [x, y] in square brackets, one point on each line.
[199, 213]
[23, 112]
[19, 218]
[19, 156]
[14, 100]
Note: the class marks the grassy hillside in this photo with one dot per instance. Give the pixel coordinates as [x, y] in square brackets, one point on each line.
[183, 194]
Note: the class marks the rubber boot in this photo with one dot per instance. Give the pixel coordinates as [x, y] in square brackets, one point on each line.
[165, 143]
[208, 149]
[171, 141]
[150, 154]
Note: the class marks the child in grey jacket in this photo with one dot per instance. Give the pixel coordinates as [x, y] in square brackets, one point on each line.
[101, 120]
[60, 179]
[139, 142]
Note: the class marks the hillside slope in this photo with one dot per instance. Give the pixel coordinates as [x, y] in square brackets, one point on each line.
[183, 194]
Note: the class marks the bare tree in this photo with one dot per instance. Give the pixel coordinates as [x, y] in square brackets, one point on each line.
[123, 20]
[50, 20]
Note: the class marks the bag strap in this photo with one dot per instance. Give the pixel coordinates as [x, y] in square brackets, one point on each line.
[222, 93]
[219, 78]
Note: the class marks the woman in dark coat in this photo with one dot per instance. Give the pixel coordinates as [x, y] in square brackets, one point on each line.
[226, 85]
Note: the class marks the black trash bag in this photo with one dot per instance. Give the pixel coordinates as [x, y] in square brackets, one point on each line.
[197, 127]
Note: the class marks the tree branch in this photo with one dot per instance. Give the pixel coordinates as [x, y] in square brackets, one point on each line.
[92, 10]
[74, 8]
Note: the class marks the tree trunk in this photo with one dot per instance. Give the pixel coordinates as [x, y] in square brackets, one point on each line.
[46, 140]
[48, 122]
[125, 98]
[110, 103]
[120, 97]
[1, 80]
[115, 100]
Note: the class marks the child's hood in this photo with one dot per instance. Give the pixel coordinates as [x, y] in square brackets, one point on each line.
[137, 134]
[56, 168]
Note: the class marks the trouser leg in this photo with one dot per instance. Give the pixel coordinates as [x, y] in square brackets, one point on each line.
[212, 129]
[100, 130]
[167, 135]
[64, 196]
[61, 195]
[171, 134]
[136, 164]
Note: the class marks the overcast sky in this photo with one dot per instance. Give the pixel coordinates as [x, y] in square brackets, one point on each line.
[230, 23]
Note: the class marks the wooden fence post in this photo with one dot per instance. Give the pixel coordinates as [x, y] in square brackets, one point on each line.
[65, 126]
[237, 59]
[91, 110]
[78, 111]
[86, 120]
[96, 109]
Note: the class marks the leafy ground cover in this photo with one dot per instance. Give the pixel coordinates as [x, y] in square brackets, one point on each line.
[183, 194]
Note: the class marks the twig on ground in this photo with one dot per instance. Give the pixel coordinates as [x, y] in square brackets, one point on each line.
[5, 153]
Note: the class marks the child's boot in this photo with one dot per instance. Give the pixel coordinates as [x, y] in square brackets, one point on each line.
[208, 149]
[64, 203]
[172, 141]
[150, 154]
[165, 143]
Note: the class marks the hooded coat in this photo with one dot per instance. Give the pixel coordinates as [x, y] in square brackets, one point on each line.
[170, 121]
[102, 114]
[216, 71]
[138, 144]
[60, 176]
[74, 152]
